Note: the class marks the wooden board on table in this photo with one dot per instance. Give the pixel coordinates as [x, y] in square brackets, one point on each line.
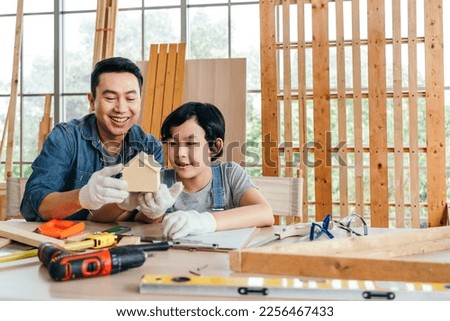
[372, 257]
[24, 236]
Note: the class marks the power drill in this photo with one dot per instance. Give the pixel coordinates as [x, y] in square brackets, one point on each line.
[66, 265]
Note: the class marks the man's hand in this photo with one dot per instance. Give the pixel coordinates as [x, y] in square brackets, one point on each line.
[155, 204]
[182, 223]
[103, 189]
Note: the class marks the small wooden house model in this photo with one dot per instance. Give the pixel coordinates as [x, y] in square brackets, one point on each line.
[142, 173]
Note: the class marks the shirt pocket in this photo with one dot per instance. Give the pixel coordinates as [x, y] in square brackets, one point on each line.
[81, 178]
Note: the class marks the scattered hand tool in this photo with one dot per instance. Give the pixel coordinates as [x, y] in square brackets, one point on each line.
[300, 229]
[93, 241]
[61, 229]
[65, 265]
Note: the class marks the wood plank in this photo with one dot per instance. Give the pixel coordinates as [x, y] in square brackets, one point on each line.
[413, 115]
[342, 109]
[169, 86]
[287, 91]
[341, 267]
[149, 89]
[14, 87]
[398, 116]
[160, 81]
[377, 114]
[4, 242]
[321, 99]
[222, 82]
[301, 52]
[269, 88]
[99, 31]
[25, 237]
[45, 125]
[179, 75]
[435, 115]
[111, 39]
[373, 257]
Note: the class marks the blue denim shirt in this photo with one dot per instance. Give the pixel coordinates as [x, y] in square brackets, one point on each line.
[71, 153]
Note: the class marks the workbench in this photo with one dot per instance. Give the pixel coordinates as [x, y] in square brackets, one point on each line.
[28, 279]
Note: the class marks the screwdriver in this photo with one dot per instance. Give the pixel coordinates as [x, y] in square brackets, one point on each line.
[67, 265]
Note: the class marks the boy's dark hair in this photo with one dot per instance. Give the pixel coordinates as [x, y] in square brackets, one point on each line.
[207, 116]
[115, 64]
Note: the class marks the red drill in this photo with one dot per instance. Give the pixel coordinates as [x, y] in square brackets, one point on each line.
[66, 265]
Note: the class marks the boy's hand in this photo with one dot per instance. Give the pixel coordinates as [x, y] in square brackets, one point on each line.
[131, 202]
[182, 223]
[103, 189]
[155, 204]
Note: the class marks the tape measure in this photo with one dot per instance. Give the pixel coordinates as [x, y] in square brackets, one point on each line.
[292, 288]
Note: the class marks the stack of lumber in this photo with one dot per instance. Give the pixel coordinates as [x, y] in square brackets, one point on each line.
[105, 28]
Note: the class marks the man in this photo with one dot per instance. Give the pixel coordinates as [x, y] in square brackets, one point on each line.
[76, 174]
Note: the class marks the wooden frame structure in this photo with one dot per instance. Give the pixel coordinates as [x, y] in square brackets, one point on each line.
[382, 158]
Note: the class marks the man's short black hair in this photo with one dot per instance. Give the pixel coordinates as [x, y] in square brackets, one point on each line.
[115, 64]
[206, 115]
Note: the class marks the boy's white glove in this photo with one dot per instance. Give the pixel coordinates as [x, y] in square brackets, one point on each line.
[103, 189]
[131, 202]
[155, 204]
[182, 223]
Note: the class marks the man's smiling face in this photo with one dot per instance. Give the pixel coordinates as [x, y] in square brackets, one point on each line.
[117, 105]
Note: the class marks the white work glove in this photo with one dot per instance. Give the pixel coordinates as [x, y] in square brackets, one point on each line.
[103, 189]
[131, 202]
[155, 204]
[182, 223]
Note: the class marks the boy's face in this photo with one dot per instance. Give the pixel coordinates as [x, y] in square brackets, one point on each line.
[117, 105]
[188, 150]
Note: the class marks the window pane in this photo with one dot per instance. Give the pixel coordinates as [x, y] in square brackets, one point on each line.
[208, 32]
[129, 4]
[71, 5]
[7, 27]
[161, 26]
[129, 35]
[31, 6]
[78, 51]
[161, 3]
[75, 107]
[4, 103]
[33, 110]
[38, 54]
[204, 2]
[8, 6]
[245, 40]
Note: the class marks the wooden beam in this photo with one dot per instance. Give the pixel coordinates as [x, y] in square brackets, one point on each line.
[377, 114]
[321, 99]
[373, 257]
[435, 113]
[45, 125]
[14, 84]
[25, 237]
[269, 89]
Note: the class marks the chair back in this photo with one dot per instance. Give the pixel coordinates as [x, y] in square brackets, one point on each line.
[15, 187]
[284, 194]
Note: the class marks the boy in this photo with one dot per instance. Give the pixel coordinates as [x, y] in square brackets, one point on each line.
[217, 195]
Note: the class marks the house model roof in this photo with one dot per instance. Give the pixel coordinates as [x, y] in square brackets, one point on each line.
[147, 160]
